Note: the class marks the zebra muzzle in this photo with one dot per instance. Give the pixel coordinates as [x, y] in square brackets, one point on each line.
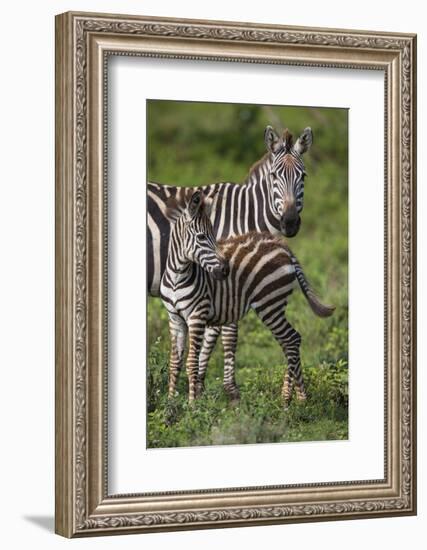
[220, 273]
[289, 225]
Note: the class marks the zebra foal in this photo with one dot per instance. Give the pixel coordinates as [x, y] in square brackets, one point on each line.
[209, 283]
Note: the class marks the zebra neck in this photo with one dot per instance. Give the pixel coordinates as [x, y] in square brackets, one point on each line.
[179, 269]
[262, 214]
[179, 272]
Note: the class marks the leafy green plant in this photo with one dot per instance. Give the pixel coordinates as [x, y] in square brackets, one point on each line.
[198, 143]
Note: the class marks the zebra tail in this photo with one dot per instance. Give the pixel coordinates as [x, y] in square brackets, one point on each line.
[319, 309]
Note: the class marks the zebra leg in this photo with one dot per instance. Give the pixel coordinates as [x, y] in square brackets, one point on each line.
[229, 342]
[178, 335]
[209, 341]
[196, 332]
[288, 386]
[290, 341]
[292, 344]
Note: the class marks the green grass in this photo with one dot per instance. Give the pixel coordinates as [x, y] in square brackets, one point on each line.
[193, 144]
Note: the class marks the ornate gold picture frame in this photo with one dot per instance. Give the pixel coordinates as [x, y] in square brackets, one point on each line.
[84, 42]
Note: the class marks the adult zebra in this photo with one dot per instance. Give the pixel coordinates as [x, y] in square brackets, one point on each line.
[269, 200]
[216, 283]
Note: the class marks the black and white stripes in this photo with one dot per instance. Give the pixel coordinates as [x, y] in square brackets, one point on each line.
[270, 200]
[209, 283]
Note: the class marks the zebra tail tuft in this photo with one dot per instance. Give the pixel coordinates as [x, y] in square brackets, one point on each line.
[319, 309]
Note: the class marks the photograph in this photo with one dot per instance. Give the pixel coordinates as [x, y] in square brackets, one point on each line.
[247, 273]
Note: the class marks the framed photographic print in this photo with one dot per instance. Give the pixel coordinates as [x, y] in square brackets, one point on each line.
[235, 274]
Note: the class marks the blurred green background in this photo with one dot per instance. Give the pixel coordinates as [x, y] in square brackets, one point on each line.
[194, 144]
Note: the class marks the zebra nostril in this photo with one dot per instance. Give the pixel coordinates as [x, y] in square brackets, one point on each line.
[225, 270]
[221, 272]
[290, 224]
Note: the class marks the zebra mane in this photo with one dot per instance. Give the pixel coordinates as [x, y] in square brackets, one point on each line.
[288, 140]
[257, 164]
[287, 145]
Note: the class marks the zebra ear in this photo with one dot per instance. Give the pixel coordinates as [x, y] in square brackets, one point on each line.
[194, 204]
[207, 206]
[172, 209]
[304, 142]
[272, 140]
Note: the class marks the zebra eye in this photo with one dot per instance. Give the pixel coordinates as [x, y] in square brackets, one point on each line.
[201, 237]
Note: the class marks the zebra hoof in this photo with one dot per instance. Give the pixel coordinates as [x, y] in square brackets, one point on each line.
[200, 389]
[286, 404]
[233, 395]
[234, 402]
